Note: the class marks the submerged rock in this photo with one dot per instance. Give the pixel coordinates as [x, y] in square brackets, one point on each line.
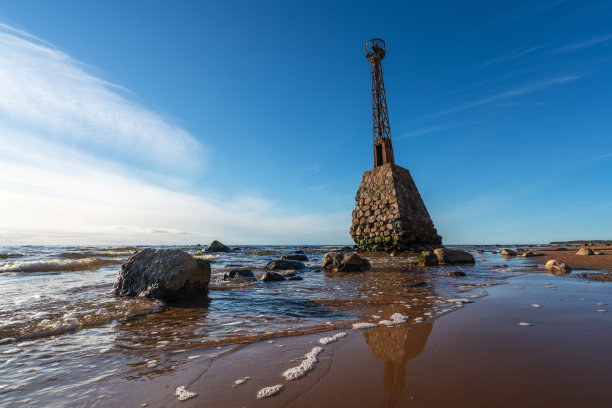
[284, 264]
[456, 273]
[345, 262]
[162, 274]
[585, 251]
[216, 246]
[453, 256]
[295, 257]
[508, 252]
[239, 275]
[557, 267]
[427, 258]
[272, 277]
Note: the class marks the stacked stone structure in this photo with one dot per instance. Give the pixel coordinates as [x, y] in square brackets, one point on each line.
[390, 214]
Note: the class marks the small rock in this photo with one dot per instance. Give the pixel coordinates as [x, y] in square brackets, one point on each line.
[295, 257]
[530, 254]
[419, 285]
[524, 324]
[456, 273]
[561, 249]
[453, 256]
[508, 252]
[272, 277]
[216, 246]
[240, 275]
[295, 278]
[345, 262]
[427, 258]
[557, 268]
[585, 251]
[284, 264]
[299, 252]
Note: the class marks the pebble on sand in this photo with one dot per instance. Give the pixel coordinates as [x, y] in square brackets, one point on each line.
[525, 324]
[269, 391]
[536, 305]
[602, 310]
[183, 394]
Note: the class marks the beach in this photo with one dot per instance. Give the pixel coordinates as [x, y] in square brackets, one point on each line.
[506, 334]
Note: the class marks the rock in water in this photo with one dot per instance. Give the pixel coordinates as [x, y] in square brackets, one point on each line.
[272, 277]
[585, 251]
[239, 275]
[163, 274]
[345, 262]
[216, 246]
[530, 254]
[285, 264]
[453, 256]
[557, 268]
[456, 273]
[427, 258]
[508, 252]
[295, 257]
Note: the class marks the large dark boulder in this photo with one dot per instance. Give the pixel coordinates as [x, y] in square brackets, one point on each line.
[427, 258]
[240, 275]
[284, 264]
[295, 257]
[163, 274]
[345, 262]
[453, 256]
[216, 246]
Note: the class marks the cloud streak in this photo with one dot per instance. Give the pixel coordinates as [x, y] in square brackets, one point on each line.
[512, 93]
[584, 44]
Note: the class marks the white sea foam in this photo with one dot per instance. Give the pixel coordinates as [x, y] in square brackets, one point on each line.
[396, 318]
[269, 391]
[602, 310]
[240, 381]
[461, 300]
[183, 394]
[601, 304]
[207, 257]
[152, 363]
[310, 359]
[327, 340]
[363, 325]
[525, 324]
[536, 305]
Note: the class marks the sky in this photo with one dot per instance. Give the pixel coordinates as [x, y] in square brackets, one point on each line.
[159, 122]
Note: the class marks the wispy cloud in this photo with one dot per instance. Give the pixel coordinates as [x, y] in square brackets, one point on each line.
[603, 156]
[503, 96]
[584, 44]
[427, 131]
[511, 56]
[72, 144]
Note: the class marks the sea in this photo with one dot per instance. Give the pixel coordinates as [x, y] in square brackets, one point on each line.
[63, 333]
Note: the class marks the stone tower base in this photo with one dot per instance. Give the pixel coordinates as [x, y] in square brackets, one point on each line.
[390, 214]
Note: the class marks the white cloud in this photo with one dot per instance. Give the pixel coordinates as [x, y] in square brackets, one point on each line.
[72, 145]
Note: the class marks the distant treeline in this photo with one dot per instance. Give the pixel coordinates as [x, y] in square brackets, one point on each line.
[594, 242]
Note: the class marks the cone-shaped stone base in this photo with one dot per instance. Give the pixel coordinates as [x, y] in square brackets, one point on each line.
[390, 214]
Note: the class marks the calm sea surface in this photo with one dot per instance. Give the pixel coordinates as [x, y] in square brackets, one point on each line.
[63, 332]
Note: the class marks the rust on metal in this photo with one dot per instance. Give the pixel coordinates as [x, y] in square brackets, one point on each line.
[383, 149]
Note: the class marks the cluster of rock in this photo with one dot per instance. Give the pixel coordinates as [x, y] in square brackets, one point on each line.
[390, 214]
[443, 256]
[345, 262]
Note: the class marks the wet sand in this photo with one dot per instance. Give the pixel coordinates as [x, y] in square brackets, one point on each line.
[478, 355]
[590, 262]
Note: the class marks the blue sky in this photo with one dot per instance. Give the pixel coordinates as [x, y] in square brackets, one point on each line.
[164, 122]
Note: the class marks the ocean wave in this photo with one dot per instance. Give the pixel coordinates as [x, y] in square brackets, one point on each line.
[106, 254]
[11, 255]
[57, 265]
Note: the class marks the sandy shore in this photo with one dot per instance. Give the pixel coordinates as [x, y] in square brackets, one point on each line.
[478, 355]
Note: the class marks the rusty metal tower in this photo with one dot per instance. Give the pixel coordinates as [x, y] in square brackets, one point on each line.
[383, 149]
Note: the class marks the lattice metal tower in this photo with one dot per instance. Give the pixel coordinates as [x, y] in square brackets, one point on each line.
[383, 149]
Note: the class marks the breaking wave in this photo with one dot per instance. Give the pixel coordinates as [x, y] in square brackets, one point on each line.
[57, 265]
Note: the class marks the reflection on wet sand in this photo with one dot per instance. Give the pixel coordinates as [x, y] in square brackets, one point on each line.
[395, 346]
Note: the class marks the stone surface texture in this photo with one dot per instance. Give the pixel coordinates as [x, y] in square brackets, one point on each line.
[585, 251]
[163, 274]
[284, 264]
[240, 275]
[557, 268]
[390, 214]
